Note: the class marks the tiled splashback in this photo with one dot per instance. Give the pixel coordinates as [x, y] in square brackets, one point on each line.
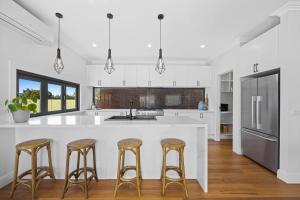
[165, 98]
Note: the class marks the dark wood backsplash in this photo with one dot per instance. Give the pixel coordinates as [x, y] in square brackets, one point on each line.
[166, 98]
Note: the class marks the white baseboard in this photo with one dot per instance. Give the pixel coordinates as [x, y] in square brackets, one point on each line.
[6, 179]
[213, 137]
[291, 178]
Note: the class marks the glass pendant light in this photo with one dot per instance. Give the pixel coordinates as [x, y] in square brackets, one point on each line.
[58, 64]
[109, 65]
[160, 65]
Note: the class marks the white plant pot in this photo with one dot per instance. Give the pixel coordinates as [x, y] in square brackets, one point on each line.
[21, 116]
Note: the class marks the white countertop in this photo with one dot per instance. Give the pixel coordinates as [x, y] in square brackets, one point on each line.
[59, 121]
[165, 110]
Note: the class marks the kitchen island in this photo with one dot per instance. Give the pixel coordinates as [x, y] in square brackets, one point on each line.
[62, 129]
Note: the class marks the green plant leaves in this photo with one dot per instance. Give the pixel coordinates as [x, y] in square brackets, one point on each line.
[12, 107]
[22, 103]
[34, 99]
[32, 107]
[24, 100]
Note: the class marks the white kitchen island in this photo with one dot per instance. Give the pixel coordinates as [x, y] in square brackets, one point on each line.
[62, 129]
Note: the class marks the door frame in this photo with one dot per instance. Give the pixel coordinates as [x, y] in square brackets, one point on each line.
[218, 112]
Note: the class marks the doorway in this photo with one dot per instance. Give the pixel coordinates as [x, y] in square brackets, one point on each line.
[226, 105]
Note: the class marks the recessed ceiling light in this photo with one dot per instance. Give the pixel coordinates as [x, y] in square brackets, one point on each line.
[202, 46]
[94, 45]
[149, 45]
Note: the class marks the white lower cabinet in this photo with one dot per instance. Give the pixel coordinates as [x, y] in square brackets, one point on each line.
[106, 113]
[206, 117]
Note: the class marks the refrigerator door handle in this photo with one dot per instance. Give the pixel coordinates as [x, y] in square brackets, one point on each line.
[258, 112]
[266, 138]
[253, 110]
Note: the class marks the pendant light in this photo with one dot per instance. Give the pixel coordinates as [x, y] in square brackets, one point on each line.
[109, 65]
[58, 64]
[160, 65]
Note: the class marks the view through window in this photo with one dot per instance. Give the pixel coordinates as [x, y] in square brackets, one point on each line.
[53, 95]
[31, 89]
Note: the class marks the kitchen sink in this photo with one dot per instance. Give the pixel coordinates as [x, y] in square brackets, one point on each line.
[121, 118]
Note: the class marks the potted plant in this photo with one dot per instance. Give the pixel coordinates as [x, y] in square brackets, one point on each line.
[21, 107]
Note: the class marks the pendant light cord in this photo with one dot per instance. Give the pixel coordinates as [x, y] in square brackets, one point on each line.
[160, 34]
[58, 40]
[109, 33]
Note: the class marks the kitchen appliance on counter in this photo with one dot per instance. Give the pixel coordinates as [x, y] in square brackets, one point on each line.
[260, 118]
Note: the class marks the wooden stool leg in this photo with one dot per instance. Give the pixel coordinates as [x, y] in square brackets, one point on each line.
[138, 178]
[183, 172]
[118, 171]
[140, 167]
[66, 173]
[94, 162]
[85, 173]
[34, 171]
[51, 172]
[164, 171]
[123, 162]
[14, 184]
[77, 166]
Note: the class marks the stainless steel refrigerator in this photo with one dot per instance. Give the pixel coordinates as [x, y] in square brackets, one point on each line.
[260, 119]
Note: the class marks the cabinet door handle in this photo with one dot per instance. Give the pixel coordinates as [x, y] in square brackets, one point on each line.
[256, 67]
[124, 83]
[149, 83]
[198, 83]
[99, 82]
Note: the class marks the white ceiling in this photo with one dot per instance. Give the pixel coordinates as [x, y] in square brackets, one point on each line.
[187, 25]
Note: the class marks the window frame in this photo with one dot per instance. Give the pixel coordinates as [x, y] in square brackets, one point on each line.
[45, 80]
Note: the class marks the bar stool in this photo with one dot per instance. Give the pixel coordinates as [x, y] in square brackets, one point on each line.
[82, 147]
[37, 173]
[132, 145]
[169, 144]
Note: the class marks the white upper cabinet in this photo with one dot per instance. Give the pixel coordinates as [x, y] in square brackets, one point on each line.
[130, 76]
[142, 76]
[114, 79]
[146, 76]
[94, 75]
[198, 76]
[260, 54]
[175, 76]
[155, 79]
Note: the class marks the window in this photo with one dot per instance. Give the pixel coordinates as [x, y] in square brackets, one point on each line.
[30, 89]
[54, 95]
[71, 98]
[97, 97]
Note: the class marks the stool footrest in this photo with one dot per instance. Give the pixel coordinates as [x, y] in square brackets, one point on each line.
[76, 173]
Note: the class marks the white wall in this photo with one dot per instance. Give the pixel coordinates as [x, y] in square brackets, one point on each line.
[220, 65]
[19, 52]
[289, 48]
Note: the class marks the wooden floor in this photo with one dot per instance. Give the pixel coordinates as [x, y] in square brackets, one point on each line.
[230, 177]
